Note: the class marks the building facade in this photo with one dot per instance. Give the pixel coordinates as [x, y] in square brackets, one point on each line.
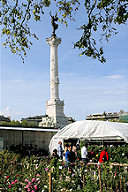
[34, 137]
[38, 118]
[3, 118]
[34, 120]
[115, 116]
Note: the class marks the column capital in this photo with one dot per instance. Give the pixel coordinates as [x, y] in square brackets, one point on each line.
[53, 41]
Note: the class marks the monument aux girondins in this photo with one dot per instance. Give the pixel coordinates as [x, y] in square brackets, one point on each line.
[55, 116]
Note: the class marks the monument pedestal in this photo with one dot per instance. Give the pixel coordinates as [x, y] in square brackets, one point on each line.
[55, 110]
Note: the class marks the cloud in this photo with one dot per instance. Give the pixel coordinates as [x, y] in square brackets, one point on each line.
[7, 111]
[18, 81]
[82, 95]
[114, 77]
[115, 92]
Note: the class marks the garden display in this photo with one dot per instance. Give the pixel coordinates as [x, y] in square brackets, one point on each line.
[46, 174]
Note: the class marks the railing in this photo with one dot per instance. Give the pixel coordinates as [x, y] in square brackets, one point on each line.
[109, 178]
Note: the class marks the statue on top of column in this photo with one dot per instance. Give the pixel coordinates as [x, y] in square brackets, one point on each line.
[54, 25]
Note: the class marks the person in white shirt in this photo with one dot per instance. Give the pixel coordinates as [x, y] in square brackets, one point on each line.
[60, 150]
[84, 153]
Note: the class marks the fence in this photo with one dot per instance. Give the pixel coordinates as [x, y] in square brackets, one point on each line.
[95, 177]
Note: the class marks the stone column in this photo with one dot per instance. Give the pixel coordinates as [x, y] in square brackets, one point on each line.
[54, 78]
[55, 107]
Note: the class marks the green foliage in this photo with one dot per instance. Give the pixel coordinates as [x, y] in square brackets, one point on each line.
[91, 184]
[123, 118]
[117, 153]
[21, 174]
[3, 123]
[24, 173]
[24, 123]
[102, 17]
[14, 123]
[14, 18]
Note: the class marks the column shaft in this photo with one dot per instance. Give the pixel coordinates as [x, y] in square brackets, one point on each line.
[54, 79]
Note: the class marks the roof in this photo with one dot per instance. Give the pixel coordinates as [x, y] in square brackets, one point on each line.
[91, 130]
[34, 117]
[28, 129]
[2, 118]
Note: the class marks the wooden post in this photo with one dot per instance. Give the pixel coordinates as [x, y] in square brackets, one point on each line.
[83, 181]
[111, 166]
[125, 171]
[50, 181]
[116, 186]
[120, 180]
[100, 178]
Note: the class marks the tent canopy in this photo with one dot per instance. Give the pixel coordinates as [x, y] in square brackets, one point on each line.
[91, 130]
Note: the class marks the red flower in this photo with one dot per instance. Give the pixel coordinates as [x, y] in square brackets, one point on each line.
[17, 175]
[7, 177]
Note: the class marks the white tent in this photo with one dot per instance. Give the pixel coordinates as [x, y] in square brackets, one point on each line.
[91, 130]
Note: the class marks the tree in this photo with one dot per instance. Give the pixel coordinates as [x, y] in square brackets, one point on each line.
[17, 124]
[102, 16]
[24, 123]
[12, 123]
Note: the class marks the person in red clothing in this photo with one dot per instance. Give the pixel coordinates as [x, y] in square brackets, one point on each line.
[103, 156]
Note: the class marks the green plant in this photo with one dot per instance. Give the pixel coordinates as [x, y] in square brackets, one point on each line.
[33, 173]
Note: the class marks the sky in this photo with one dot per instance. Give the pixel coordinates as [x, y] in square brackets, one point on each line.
[86, 85]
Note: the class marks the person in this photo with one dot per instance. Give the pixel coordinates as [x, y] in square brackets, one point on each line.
[60, 150]
[78, 152]
[54, 154]
[74, 149]
[103, 156]
[66, 148]
[70, 156]
[54, 157]
[77, 147]
[84, 153]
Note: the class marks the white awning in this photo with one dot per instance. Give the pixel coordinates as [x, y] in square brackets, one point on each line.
[91, 130]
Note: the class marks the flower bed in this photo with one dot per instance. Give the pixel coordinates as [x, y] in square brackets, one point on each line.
[38, 174]
[117, 153]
